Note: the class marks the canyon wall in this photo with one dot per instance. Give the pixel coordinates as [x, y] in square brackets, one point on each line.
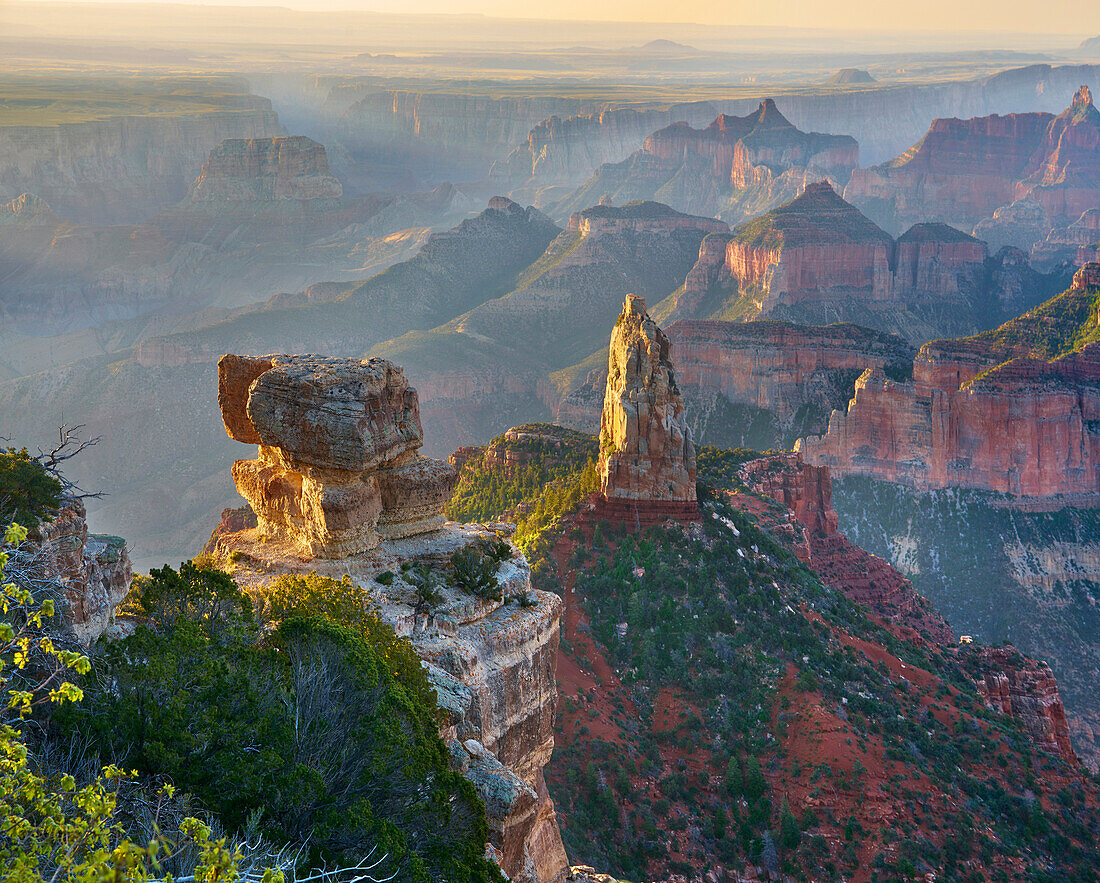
[976, 416]
[1011, 178]
[123, 169]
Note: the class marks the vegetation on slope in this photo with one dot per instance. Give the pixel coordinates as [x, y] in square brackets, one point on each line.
[1064, 324]
[720, 705]
[312, 723]
[555, 469]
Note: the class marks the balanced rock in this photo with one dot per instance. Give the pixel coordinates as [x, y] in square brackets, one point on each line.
[647, 459]
[338, 466]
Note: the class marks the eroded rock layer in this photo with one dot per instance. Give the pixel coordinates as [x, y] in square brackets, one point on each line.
[647, 459]
[805, 492]
[981, 412]
[338, 439]
[92, 570]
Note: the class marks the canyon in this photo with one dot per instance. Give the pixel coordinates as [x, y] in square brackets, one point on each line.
[125, 167]
[735, 168]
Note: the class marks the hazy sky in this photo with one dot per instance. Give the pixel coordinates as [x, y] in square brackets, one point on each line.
[1035, 16]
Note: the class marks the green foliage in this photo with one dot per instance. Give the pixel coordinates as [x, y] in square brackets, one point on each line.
[558, 471]
[324, 730]
[27, 491]
[57, 830]
[385, 578]
[475, 573]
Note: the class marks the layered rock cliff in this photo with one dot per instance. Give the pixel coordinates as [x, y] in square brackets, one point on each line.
[647, 459]
[818, 259]
[734, 168]
[979, 413]
[809, 524]
[266, 170]
[1010, 178]
[123, 169]
[1026, 690]
[93, 571]
[338, 489]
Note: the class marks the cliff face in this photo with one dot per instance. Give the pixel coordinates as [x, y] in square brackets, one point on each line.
[339, 489]
[979, 413]
[805, 492]
[818, 259]
[93, 570]
[735, 167]
[123, 169]
[266, 170]
[647, 459]
[1026, 690]
[1010, 178]
[796, 372]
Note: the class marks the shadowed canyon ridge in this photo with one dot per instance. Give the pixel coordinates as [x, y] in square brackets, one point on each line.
[614, 452]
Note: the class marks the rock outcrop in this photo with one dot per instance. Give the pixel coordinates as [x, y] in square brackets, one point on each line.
[734, 168]
[340, 490]
[1010, 178]
[1025, 689]
[647, 459]
[338, 466]
[93, 571]
[980, 413]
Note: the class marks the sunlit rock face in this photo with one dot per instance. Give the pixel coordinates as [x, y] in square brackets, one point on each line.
[647, 459]
[975, 416]
[266, 169]
[338, 438]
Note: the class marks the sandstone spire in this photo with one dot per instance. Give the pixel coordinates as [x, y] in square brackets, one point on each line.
[647, 459]
[338, 468]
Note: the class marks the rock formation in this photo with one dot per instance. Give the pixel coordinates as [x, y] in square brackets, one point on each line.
[805, 493]
[339, 489]
[338, 466]
[1025, 689]
[647, 459]
[735, 167]
[92, 570]
[1010, 178]
[818, 259]
[979, 413]
[798, 373]
[266, 170]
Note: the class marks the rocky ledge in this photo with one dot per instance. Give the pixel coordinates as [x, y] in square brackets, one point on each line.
[340, 490]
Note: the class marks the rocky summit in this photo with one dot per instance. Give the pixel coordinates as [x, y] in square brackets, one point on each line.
[647, 459]
[266, 169]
